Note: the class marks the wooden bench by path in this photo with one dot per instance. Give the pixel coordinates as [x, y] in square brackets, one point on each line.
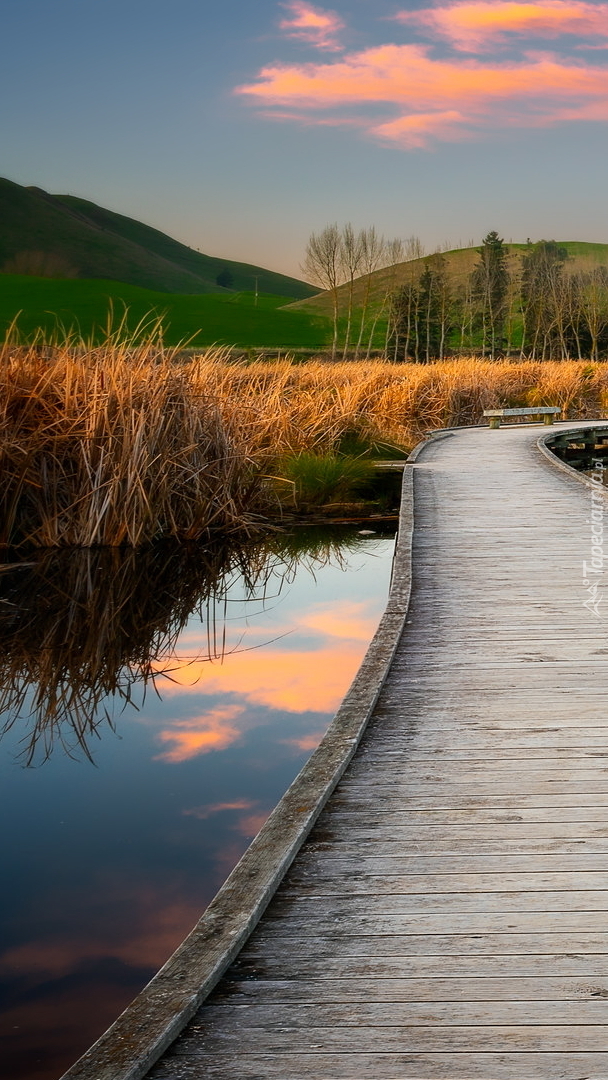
[448, 917]
[548, 413]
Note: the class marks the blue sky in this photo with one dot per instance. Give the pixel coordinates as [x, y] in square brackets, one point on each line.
[241, 127]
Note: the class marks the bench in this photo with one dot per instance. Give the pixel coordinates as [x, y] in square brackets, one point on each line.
[548, 412]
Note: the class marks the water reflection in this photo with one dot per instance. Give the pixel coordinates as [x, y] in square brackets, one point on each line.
[79, 631]
[110, 866]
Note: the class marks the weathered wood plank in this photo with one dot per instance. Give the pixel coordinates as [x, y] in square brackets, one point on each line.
[314, 862]
[307, 882]
[462, 845]
[411, 834]
[329, 1014]
[400, 945]
[386, 1066]
[396, 799]
[432, 923]
[347, 908]
[532, 787]
[457, 989]
[517, 757]
[353, 817]
[242, 1040]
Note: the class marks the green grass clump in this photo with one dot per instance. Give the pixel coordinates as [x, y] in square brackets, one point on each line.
[356, 444]
[317, 479]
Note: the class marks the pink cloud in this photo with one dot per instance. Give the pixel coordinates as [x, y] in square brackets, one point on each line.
[349, 620]
[425, 97]
[197, 735]
[298, 681]
[305, 742]
[247, 825]
[471, 26]
[312, 25]
[207, 811]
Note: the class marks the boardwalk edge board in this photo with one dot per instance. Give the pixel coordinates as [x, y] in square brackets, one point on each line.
[154, 1019]
[544, 445]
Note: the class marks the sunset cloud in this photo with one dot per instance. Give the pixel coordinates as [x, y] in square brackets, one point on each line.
[305, 742]
[209, 809]
[412, 94]
[473, 26]
[310, 679]
[296, 681]
[425, 97]
[312, 25]
[191, 736]
[246, 824]
[349, 620]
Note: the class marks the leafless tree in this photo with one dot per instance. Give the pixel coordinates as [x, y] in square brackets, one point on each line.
[413, 248]
[374, 251]
[323, 266]
[351, 257]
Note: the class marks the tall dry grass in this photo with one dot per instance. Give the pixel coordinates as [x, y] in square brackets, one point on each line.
[116, 445]
[125, 443]
[288, 408]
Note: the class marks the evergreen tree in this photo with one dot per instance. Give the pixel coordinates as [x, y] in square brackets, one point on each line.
[225, 279]
[490, 292]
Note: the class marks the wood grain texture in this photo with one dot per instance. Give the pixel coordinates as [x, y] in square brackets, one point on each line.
[447, 918]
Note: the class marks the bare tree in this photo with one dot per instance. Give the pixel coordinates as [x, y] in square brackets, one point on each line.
[594, 308]
[323, 266]
[374, 251]
[351, 256]
[413, 248]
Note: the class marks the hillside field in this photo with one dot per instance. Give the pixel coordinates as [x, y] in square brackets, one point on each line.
[60, 236]
[85, 306]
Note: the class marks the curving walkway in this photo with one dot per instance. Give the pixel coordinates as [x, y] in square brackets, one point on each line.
[448, 916]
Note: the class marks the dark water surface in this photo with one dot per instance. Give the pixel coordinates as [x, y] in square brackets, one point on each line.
[134, 770]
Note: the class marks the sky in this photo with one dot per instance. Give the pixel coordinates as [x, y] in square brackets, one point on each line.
[242, 127]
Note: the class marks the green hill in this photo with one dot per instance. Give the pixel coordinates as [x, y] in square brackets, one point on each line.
[458, 265]
[85, 307]
[62, 236]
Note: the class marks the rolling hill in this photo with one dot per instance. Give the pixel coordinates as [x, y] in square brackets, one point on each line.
[458, 266]
[60, 236]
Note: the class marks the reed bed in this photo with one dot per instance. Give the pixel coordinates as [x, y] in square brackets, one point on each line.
[116, 445]
[320, 407]
[125, 443]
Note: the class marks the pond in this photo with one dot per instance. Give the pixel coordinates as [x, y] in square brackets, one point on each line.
[154, 708]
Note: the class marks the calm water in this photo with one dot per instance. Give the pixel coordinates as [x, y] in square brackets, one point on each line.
[135, 769]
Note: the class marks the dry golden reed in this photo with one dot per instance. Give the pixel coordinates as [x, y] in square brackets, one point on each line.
[115, 445]
[290, 408]
[123, 443]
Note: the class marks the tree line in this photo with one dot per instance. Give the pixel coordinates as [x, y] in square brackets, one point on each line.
[535, 306]
[338, 257]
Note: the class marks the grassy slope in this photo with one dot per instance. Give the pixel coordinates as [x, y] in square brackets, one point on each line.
[206, 266]
[84, 306]
[459, 264]
[97, 243]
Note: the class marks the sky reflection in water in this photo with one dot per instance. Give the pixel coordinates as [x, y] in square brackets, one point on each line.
[109, 859]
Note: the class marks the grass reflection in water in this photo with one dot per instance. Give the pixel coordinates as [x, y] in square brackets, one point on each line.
[80, 629]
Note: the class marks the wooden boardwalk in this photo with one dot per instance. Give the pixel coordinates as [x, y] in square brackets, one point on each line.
[448, 916]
